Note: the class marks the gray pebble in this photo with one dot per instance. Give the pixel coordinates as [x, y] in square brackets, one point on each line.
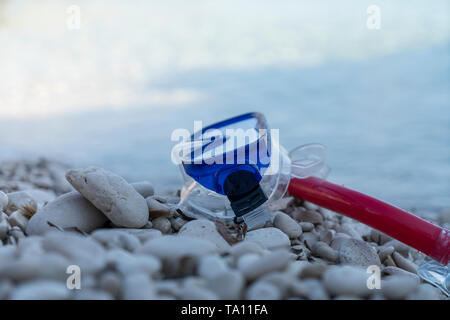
[404, 263]
[288, 225]
[41, 290]
[262, 290]
[276, 260]
[358, 252]
[228, 285]
[162, 224]
[323, 250]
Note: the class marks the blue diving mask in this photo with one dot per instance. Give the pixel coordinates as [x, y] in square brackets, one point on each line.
[234, 169]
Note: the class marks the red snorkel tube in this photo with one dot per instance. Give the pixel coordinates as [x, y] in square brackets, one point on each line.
[309, 161]
[422, 235]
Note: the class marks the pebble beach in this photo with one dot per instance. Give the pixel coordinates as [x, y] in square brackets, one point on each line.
[128, 241]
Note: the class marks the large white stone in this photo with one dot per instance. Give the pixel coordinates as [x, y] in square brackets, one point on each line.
[112, 195]
[71, 210]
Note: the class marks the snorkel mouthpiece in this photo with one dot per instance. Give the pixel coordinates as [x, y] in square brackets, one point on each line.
[246, 198]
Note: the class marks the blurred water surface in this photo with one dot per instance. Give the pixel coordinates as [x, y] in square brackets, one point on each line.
[112, 92]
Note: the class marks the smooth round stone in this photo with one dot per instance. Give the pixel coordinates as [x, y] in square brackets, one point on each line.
[244, 247]
[346, 280]
[3, 201]
[18, 219]
[338, 239]
[309, 216]
[205, 229]
[19, 200]
[192, 292]
[269, 238]
[228, 285]
[394, 271]
[162, 224]
[139, 264]
[398, 287]
[70, 210]
[112, 195]
[246, 259]
[111, 283]
[404, 263]
[138, 286]
[358, 252]
[82, 251]
[156, 208]
[311, 289]
[143, 235]
[210, 266]
[349, 228]
[41, 290]
[144, 188]
[385, 251]
[306, 226]
[425, 291]
[288, 225]
[42, 197]
[263, 290]
[32, 266]
[273, 261]
[112, 238]
[323, 250]
[177, 247]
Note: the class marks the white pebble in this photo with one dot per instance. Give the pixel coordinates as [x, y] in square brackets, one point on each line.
[112, 195]
[20, 200]
[358, 252]
[398, 287]
[227, 285]
[82, 251]
[41, 290]
[70, 210]
[346, 280]
[262, 290]
[244, 247]
[18, 219]
[177, 247]
[162, 224]
[323, 250]
[269, 238]
[210, 266]
[144, 188]
[288, 225]
[156, 208]
[3, 201]
[205, 229]
[273, 261]
[404, 263]
[138, 286]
